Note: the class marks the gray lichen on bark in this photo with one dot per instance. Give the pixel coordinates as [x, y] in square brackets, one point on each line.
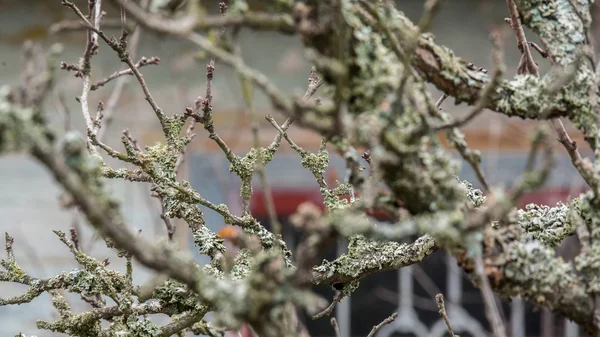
[374, 64]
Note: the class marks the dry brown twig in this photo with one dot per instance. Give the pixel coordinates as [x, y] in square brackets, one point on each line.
[491, 307]
[439, 299]
[327, 311]
[168, 224]
[142, 62]
[527, 64]
[206, 104]
[380, 325]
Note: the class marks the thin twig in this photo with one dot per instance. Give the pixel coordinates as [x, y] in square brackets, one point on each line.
[380, 325]
[314, 82]
[515, 23]
[327, 311]
[441, 100]
[142, 62]
[93, 301]
[276, 97]
[491, 308]
[132, 140]
[281, 130]
[74, 237]
[76, 25]
[163, 211]
[206, 118]
[539, 49]
[569, 144]
[205, 105]
[439, 298]
[336, 327]
[583, 165]
[267, 194]
[97, 18]
[126, 57]
[190, 134]
[85, 65]
[532, 178]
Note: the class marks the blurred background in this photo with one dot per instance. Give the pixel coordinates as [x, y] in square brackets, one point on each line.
[30, 208]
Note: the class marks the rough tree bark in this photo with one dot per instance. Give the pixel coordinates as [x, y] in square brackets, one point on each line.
[371, 66]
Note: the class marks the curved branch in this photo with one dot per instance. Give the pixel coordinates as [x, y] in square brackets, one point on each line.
[525, 96]
[369, 259]
[282, 23]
